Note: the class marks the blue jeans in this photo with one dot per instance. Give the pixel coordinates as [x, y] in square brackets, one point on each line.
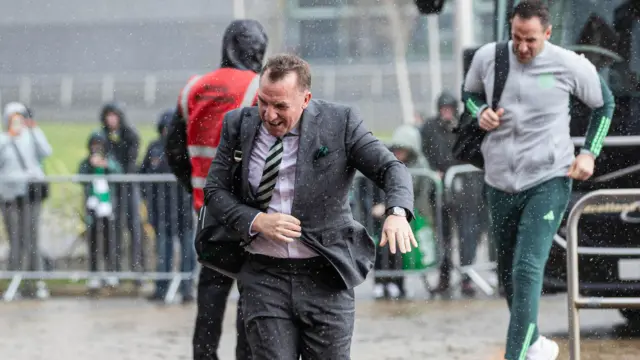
[164, 260]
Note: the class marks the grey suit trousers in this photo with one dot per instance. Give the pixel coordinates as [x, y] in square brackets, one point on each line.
[290, 313]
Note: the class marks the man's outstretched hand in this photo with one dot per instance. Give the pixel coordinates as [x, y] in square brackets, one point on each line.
[397, 232]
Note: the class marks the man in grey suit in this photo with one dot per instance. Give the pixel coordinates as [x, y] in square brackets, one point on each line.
[305, 252]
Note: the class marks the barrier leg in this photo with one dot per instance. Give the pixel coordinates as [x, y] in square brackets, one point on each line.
[479, 281]
[574, 332]
[427, 285]
[173, 289]
[12, 290]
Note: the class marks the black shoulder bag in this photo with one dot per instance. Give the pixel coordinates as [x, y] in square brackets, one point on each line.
[469, 135]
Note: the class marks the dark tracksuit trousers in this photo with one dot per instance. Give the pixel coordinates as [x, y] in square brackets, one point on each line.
[100, 238]
[523, 225]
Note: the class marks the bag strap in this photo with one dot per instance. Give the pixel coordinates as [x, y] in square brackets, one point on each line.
[501, 72]
[20, 158]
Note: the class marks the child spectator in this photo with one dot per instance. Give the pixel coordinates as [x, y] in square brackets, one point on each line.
[99, 210]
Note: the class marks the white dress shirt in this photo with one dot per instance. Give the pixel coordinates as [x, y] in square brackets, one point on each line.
[282, 198]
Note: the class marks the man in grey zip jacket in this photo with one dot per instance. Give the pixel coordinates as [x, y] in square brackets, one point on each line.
[529, 158]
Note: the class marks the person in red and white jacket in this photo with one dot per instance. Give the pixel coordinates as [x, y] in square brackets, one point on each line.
[193, 137]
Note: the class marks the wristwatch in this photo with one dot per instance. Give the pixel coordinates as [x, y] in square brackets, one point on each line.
[396, 210]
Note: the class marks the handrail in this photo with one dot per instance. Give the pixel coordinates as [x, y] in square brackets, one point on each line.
[575, 300]
[632, 140]
[596, 50]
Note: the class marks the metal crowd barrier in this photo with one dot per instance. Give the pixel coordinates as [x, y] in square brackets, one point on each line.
[471, 270]
[436, 225]
[145, 206]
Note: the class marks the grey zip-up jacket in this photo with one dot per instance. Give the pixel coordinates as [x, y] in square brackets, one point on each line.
[34, 148]
[532, 144]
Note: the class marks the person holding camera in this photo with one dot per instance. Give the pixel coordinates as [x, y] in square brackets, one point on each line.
[23, 147]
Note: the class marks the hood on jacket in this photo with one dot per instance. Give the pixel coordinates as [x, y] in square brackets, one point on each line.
[164, 120]
[112, 107]
[10, 109]
[408, 137]
[96, 137]
[243, 45]
[446, 99]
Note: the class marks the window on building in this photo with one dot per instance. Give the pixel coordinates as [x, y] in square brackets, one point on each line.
[357, 44]
[418, 45]
[318, 3]
[381, 38]
[319, 38]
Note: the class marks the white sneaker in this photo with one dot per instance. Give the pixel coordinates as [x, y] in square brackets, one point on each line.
[94, 284]
[393, 290]
[41, 290]
[112, 282]
[378, 291]
[543, 349]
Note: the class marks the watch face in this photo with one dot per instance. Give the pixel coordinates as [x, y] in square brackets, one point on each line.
[398, 211]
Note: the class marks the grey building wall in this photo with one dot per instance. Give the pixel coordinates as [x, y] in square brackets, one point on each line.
[67, 57]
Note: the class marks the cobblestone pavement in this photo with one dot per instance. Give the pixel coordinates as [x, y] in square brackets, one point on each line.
[107, 329]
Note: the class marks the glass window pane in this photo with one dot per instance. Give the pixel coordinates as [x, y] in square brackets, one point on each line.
[319, 39]
[381, 37]
[419, 39]
[318, 3]
[607, 32]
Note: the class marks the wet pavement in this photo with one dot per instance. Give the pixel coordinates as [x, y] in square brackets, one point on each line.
[106, 329]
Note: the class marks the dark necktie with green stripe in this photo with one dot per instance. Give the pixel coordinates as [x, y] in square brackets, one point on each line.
[270, 175]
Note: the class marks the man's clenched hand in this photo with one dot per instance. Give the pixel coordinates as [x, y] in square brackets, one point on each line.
[490, 119]
[582, 167]
[277, 226]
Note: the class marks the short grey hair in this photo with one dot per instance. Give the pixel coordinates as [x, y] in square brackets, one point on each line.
[278, 66]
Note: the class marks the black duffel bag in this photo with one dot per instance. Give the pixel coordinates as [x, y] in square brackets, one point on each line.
[469, 135]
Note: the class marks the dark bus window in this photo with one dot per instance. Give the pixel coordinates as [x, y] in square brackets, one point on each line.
[607, 32]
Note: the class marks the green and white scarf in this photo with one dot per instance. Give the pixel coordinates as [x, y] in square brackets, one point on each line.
[99, 199]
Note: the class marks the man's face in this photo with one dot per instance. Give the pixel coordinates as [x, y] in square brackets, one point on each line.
[447, 113]
[281, 103]
[112, 120]
[528, 37]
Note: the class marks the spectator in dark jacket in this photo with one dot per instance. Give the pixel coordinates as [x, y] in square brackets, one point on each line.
[99, 209]
[466, 207]
[122, 144]
[170, 214]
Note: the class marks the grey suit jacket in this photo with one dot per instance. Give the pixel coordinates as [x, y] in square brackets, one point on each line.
[323, 180]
